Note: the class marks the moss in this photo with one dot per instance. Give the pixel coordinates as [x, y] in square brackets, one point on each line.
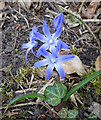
[75, 51]
[10, 83]
[94, 84]
[11, 80]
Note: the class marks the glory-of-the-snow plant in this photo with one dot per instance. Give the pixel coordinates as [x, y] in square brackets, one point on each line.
[50, 43]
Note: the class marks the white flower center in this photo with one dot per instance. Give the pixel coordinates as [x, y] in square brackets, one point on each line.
[29, 42]
[50, 41]
[53, 61]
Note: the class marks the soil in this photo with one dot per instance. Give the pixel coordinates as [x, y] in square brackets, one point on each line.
[15, 32]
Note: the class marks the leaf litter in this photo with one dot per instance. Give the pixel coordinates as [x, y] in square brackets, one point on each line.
[25, 21]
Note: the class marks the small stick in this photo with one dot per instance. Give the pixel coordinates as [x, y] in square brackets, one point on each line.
[58, 78]
[21, 91]
[92, 20]
[21, 15]
[48, 107]
[81, 6]
[20, 105]
[16, 81]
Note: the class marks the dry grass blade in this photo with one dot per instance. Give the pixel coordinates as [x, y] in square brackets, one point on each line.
[21, 15]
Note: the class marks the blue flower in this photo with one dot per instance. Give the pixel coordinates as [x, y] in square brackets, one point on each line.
[32, 43]
[58, 20]
[53, 61]
[50, 41]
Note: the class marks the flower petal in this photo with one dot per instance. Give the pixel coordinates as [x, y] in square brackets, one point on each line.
[27, 51]
[46, 30]
[61, 44]
[49, 70]
[57, 33]
[58, 21]
[34, 43]
[32, 51]
[60, 70]
[54, 52]
[41, 63]
[35, 29]
[26, 45]
[52, 48]
[40, 37]
[65, 58]
[40, 50]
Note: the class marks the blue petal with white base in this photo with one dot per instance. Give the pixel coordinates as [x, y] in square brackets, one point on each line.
[32, 43]
[58, 21]
[53, 61]
[50, 41]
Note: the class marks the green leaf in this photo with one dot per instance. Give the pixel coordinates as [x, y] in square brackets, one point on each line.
[55, 93]
[92, 116]
[26, 96]
[72, 113]
[77, 87]
[63, 113]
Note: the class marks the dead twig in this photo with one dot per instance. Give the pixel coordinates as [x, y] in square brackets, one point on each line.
[80, 9]
[21, 16]
[92, 20]
[21, 105]
[48, 107]
[21, 91]
[16, 81]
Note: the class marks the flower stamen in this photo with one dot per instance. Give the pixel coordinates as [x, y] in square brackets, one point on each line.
[53, 61]
[50, 41]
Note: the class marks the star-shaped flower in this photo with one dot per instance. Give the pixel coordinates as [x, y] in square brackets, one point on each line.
[32, 43]
[50, 41]
[53, 61]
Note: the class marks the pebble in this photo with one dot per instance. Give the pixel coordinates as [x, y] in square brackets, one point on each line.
[8, 49]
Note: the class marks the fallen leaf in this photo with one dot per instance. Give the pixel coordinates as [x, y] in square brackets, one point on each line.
[74, 66]
[98, 63]
[91, 9]
[25, 3]
[2, 5]
[95, 108]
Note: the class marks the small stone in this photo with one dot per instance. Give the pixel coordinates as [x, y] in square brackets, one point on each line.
[95, 108]
[86, 114]
[8, 49]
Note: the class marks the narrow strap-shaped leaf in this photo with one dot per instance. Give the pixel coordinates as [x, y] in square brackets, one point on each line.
[26, 96]
[85, 81]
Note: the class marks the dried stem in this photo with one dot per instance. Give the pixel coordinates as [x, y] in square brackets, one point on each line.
[58, 77]
[80, 9]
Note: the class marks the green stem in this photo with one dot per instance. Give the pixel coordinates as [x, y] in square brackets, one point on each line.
[79, 85]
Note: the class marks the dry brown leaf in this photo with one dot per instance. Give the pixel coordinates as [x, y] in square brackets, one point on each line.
[74, 66]
[2, 5]
[91, 9]
[98, 63]
[25, 3]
